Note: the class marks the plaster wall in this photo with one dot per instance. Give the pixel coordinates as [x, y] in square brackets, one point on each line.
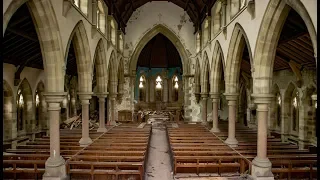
[153, 13]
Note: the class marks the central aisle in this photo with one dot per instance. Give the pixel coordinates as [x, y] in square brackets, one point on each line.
[159, 165]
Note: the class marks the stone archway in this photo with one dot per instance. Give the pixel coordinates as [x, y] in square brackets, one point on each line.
[217, 68]
[49, 38]
[171, 36]
[237, 44]
[81, 47]
[267, 40]
[101, 66]
[25, 108]
[197, 83]
[41, 108]
[9, 117]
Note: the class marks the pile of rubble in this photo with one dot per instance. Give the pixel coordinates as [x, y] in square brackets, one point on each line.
[76, 121]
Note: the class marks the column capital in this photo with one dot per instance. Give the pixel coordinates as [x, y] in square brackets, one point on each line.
[204, 95]
[54, 97]
[85, 95]
[262, 98]
[231, 96]
[113, 96]
[215, 95]
[102, 95]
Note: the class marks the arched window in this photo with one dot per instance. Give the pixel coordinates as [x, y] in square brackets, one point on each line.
[82, 5]
[158, 89]
[113, 32]
[120, 42]
[20, 109]
[295, 110]
[142, 84]
[278, 110]
[197, 42]
[101, 17]
[242, 4]
[175, 85]
[37, 108]
[205, 32]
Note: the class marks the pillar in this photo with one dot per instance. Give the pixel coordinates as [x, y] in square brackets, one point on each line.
[261, 165]
[55, 165]
[102, 122]
[232, 102]
[224, 13]
[85, 97]
[113, 103]
[204, 97]
[215, 120]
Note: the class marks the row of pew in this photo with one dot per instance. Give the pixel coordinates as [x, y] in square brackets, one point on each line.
[287, 159]
[196, 151]
[117, 154]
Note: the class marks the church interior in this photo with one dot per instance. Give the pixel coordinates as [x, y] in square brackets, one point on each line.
[159, 90]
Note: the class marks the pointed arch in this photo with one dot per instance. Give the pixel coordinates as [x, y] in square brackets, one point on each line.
[217, 68]
[112, 76]
[9, 120]
[81, 47]
[40, 106]
[120, 79]
[237, 44]
[24, 107]
[268, 37]
[100, 64]
[205, 83]
[197, 76]
[171, 36]
[49, 38]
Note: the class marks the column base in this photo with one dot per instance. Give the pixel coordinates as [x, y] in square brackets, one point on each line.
[231, 142]
[204, 123]
[112, 123]
[55, 169]
[214, 129]
[284, 137]
[85, 141]
[261, 169]
[102, 129]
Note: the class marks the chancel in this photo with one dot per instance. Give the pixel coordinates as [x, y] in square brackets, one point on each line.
[155, 89]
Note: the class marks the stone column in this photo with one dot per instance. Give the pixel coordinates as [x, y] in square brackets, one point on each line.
[204, 97]
[224, 13]
[152, 88]
[73, 106]
[85, 97]
[165, 89]
[55, 164]
[215, 120]
[113, 103]
[170, 92]
[261, 165]
[147, 91]
[232, 102]
[102, 119]
[248, 116]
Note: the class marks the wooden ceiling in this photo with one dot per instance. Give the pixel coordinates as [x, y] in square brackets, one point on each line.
[196, 9]
[294, 45]
[159, 52]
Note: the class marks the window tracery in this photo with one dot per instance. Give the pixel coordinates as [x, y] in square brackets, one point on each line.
[20, 109]
[101, 17]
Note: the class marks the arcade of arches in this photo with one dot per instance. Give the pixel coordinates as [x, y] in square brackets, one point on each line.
[239, 62]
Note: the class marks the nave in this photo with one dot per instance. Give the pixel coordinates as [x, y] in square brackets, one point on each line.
[131, 151]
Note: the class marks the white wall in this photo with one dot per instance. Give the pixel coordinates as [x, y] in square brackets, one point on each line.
[153, 13]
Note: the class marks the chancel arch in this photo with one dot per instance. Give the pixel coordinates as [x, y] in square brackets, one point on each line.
[158, 62]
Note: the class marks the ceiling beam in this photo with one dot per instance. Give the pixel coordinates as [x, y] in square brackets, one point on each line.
[23, 34]
[18, 21]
